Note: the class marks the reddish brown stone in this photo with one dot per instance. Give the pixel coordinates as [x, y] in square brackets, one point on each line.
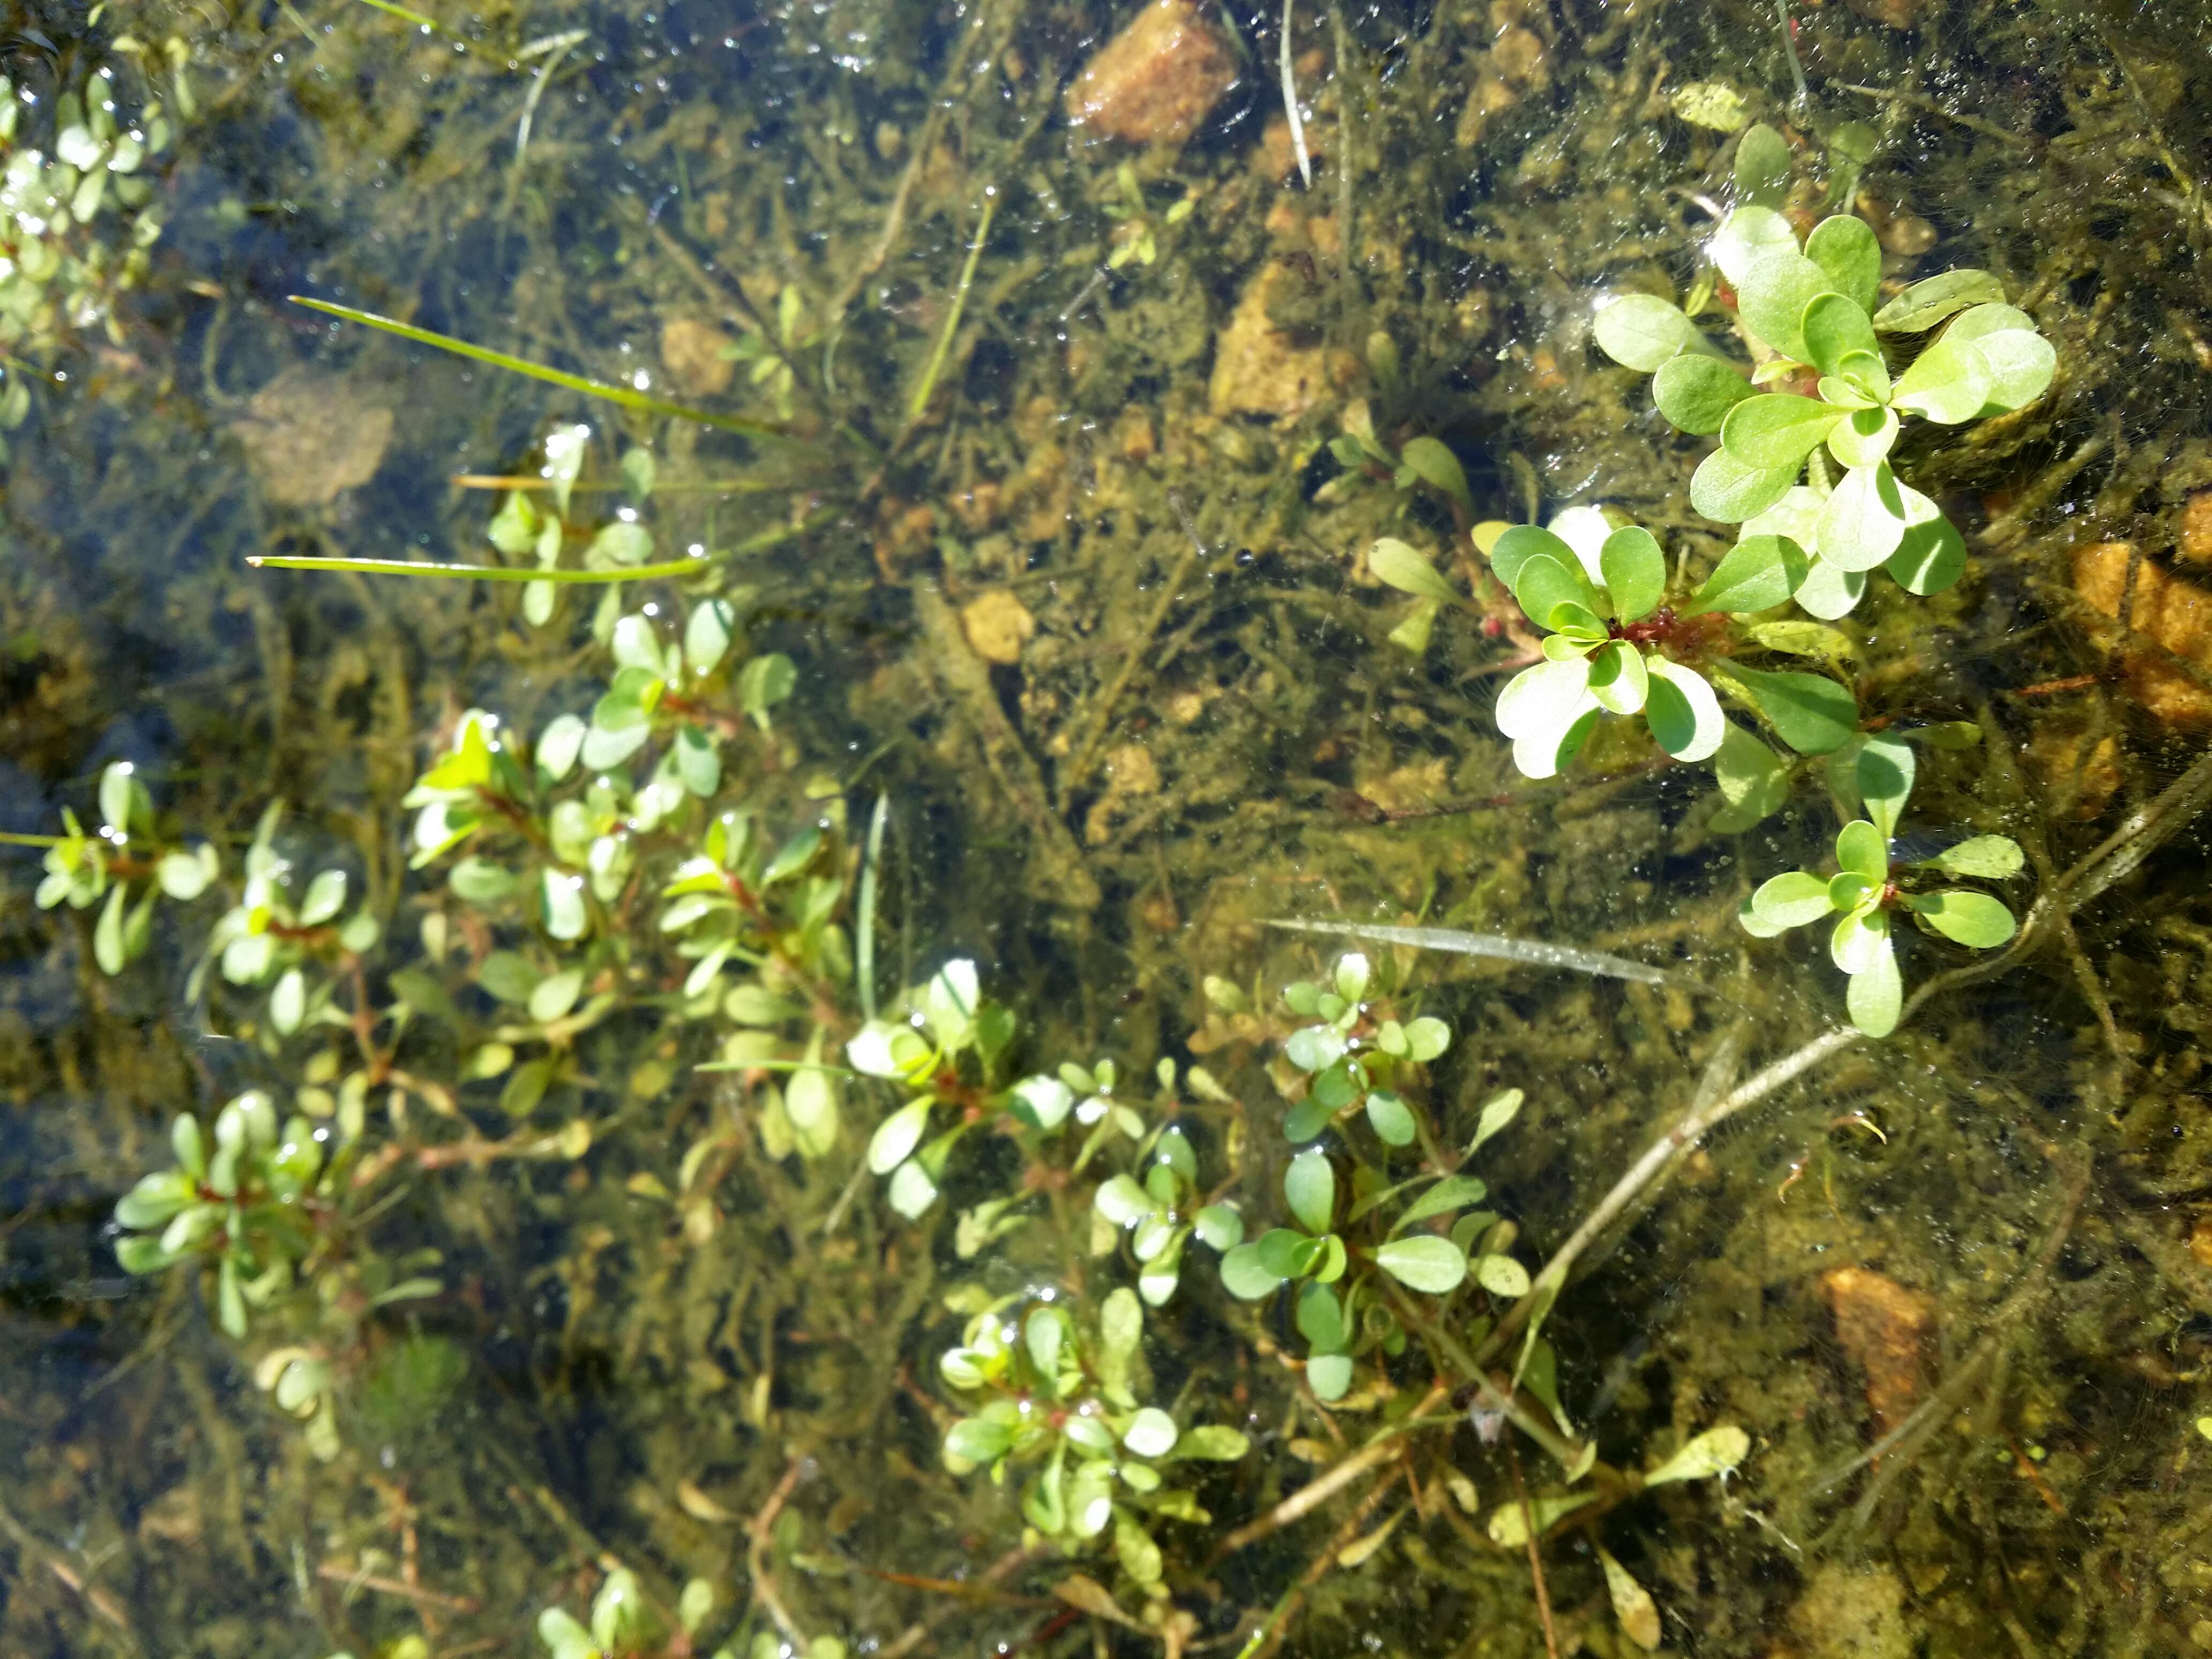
[1156, 81]
[1884, 1328]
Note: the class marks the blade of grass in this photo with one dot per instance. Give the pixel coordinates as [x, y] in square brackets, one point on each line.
[952, 317]
[500, 573]
[864, 925]
[626, 396]
[414, 17]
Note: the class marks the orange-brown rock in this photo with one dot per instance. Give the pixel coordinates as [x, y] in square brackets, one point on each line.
[1260, 369]
[1277, 157]
[2195, 542]
[1488, 97]
[2174, 614]
[998, 625]
[1520, 56]
[692, 352]
[2079, 771]
[1884, 1328]
[1156, 81]
[1895, 13]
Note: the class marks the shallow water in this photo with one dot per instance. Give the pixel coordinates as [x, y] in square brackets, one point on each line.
[1090, 613]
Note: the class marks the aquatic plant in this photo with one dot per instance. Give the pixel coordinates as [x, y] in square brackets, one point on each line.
[1866, 891]
[625, 1625]
[1614, 645]
[61, 271]
[253, 1208]
[1350, 1245]
[1064, 1402]
[82, 869]
[1811, 319]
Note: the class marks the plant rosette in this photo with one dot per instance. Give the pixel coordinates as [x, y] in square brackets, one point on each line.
[1615, 645]
[1064, 1403]
[1811, 316]
[1865, 893]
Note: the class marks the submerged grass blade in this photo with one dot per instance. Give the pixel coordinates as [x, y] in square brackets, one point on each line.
[626, 396]
[414, 17]
[483, 572]
[677, 568]
[1534, 952]
[864, 943]
[920, 400]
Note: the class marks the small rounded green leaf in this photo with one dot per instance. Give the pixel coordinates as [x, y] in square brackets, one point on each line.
[1152, 1433]
[1619, 679]
[1501, 1275]
[1811, 713]
[2019, 362]
[1309, 1185]
[978, 1440]
[1758, 573]
[1221, 1226]
[1877, 994]
[1426, 1038]
[1883, 775]
[1762, 166]
[897, 1135]
[1642, 332]
[1730, 491]
[1970, 919]
[1861, 939]
[1545, 698]
[1865, 519]
[325, 897]
[1394, 562]
[1834, 327]
[1863, 850]
[1330, 1374]
[1926, 304]
[1753, 783]
[1827, 592]
[1950, 382]
[1771, 296]
[1244, 1276]
[1390, 1119]
[1682, 712]
[1750, 233]
[1545, 754]
[1695, 393]
[1845, 247]
[1635, 572]
[1544, 586]
[1321, 1318]
[1991, 857]
[1214, 1443]
[1777, 429]
[1520, 543]
[1792, 899]
[1435, 465]
[1865, 437]
[1424, 1261]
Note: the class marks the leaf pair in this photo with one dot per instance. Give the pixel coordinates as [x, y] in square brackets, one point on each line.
[1863, 897]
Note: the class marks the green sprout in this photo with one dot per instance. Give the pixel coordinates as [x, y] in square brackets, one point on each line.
[1161, 1213]
[1866, 891]
[1615, 645]
[949, 1020]
[1810, 317]
[1338, 1240]
[250, 1206]
[288, 943]
[81, 869]
[1064, 1403]
[1136, 240]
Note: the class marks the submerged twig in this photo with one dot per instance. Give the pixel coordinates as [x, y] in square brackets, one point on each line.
[1536, 953]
